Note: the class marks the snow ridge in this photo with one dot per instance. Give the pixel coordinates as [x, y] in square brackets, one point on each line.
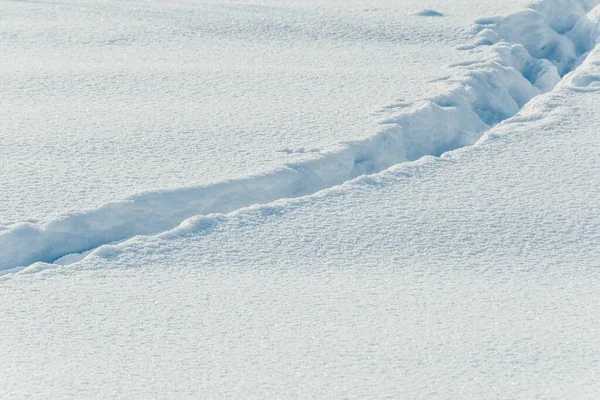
[532, 51]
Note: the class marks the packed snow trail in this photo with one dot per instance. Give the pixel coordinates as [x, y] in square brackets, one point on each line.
[531, 51]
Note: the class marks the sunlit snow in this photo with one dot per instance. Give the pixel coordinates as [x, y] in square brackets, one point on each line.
[272, 199]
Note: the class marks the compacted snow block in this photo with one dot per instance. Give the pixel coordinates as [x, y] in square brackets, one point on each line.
[531, 51]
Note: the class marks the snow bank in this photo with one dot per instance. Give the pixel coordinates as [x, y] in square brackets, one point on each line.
[531, 50]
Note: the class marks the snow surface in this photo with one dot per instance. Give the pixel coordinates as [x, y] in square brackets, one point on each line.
[470, 275]
[102, 100]
[519, 67]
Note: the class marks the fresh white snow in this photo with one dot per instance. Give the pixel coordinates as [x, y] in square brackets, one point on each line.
[103, 100]
[470, 275]
[534, 48]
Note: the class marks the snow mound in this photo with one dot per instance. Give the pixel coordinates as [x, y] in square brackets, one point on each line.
[530, 52]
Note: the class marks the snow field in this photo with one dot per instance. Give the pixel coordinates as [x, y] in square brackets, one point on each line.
[103, 100]
[529, 52]
[473, 275]
[470, 275]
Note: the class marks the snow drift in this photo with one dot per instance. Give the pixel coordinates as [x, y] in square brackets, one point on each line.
[530, 52]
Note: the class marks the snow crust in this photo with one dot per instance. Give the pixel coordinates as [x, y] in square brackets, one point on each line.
[528, 53]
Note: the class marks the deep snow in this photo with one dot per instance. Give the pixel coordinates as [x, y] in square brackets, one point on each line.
[470, 275]
[532, 50]
[474, 275]
[103, 100]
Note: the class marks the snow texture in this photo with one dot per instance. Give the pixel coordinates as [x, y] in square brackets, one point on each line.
[531, 51]
[463, 265]
[473, 275]
[103, 100]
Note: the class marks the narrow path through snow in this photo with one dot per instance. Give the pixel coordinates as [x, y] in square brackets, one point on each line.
[531, 51]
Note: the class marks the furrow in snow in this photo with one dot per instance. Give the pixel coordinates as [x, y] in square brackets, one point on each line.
[532, 50]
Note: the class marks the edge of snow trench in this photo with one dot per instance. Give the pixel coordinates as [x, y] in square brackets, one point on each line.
[532, 51]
